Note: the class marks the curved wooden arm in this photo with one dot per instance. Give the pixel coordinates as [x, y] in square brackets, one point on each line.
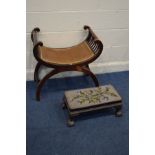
[36, 43]
[34, 35]
[92, 40]
[91, 33]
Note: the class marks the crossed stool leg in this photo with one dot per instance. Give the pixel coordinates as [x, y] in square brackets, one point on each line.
[83, 69]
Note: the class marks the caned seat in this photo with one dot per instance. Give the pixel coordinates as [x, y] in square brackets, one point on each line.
[63, 56]
[75, 58]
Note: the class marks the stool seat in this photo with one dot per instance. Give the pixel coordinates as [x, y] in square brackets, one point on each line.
[92, 97]
[71, 55]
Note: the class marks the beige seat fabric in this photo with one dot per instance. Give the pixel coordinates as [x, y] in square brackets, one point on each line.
[70, 55]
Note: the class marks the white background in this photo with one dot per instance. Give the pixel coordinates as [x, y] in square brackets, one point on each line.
[13, 77]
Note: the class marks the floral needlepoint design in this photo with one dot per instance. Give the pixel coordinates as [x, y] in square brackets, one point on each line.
[97, 95]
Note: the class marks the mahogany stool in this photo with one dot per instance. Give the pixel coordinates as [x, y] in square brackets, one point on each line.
[75, 58]
[91, 99]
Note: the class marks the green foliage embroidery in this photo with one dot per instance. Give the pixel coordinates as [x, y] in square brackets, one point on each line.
[93, 96]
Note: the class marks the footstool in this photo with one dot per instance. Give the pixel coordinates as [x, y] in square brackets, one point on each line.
[91, 99]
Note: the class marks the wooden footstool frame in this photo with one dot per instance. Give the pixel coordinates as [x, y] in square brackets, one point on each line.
[74, 108]
[92, 45]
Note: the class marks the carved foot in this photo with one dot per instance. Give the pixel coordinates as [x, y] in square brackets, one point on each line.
[70, 122]
[118, 112]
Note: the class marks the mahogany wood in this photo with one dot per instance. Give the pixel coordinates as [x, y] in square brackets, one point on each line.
[93, 42]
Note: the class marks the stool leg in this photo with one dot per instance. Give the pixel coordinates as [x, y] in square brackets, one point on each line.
[87, 66]
[41, 82]
[56, 71]
[118, 111]
[93, 77]
[88, 72]
[36, 72]
[70, 121]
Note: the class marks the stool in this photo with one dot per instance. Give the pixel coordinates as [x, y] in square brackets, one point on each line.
[75, 58]
[91, 99]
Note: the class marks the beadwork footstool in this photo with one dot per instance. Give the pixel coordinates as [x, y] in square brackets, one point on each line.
[91, 99]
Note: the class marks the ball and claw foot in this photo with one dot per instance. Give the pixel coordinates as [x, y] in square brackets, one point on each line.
[70, 122]
[118, 112]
